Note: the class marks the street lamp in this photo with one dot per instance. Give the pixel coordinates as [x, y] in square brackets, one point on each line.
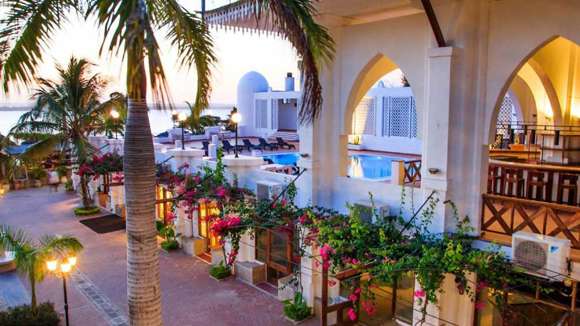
[182, 117]
[115, 115]
[62, 268]
[236, 118]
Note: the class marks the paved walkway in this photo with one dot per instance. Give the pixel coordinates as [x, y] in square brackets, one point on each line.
[97, 291]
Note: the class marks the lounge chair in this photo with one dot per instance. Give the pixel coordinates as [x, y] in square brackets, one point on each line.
[249, 146]
[281, 143]
[228, 147]
[205, 147]
[264, 144]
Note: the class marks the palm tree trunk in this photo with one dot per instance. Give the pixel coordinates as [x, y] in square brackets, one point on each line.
[32, 281]
[85, 194]
[143, 286]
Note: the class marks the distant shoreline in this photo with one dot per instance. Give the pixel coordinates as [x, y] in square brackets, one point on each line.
[15, 109]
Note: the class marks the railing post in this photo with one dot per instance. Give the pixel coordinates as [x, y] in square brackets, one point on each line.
[398, 172]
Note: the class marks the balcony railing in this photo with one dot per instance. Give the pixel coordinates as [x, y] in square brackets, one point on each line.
[503, 215]
[413, 172]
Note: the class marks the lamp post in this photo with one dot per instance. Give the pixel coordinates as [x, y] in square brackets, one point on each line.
[236, 118]
[182, 117]
[115, 115]
[63, 268]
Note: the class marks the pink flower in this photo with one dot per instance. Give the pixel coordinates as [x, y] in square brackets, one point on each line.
[479, 305]
[331, 283]
[180, 190]
[351, 314]
[353, 297]
[221, 191]
[354, 261]
[170, 216]
[197, 179]
[357, 291]
[304, 219]
[369, 307]
[283, 202]
[420, 293]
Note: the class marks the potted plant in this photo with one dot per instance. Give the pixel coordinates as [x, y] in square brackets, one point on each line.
[169, 236]
[62, 172]
[355, 143]
[220, 271]
[296, 310]
[38, 176]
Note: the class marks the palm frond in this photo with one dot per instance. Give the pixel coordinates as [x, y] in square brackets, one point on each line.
[11, 239]
[194, 44]
[60, 245]
[295, 19]
[41, 149]
[25, 30]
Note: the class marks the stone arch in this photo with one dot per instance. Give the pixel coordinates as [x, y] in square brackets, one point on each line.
[376, 68]
[541, 75]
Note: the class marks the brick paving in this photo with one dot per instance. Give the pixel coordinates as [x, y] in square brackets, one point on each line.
[97, 291]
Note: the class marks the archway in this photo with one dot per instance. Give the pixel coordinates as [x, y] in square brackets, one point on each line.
[536, 123]
[381, 120]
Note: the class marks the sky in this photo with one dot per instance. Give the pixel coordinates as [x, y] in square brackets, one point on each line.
[237, 54]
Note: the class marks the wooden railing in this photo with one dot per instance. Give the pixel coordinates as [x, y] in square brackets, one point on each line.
[412, 172]
[506, 215]
[539, 182]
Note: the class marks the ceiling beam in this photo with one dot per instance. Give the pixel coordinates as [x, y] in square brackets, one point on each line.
[434, 23]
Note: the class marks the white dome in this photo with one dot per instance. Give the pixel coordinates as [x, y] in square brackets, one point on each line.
[252, 82]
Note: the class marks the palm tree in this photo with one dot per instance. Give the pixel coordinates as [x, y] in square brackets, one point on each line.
[30, 257]
[129, 26]
[109, 125]
[66, 111]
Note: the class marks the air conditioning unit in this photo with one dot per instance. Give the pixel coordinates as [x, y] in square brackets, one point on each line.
[541, 255]
[365, 209]
[266, 190]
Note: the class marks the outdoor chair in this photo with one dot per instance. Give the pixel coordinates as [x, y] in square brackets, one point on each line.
[282, 143]
[264, 144]
[249, 146]
[228, 147]
[205, 147]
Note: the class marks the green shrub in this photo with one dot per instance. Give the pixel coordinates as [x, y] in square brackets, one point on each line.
[43, 315]
[68, 186]
[37, 173]
[62, 171]
[220, 271]
[170, 245]
[82, 211]
[296, 309]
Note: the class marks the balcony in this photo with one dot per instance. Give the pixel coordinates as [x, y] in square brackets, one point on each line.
[541, 199]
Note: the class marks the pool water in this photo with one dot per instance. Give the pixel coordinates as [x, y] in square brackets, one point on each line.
[363, 166]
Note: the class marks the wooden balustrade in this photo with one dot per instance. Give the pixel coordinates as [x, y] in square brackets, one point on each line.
[506, 215]
[413, 172]
[545, 183]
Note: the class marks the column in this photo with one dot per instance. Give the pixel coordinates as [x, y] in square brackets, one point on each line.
[190, 156]
[435, 174]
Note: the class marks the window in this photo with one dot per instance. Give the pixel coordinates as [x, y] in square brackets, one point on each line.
[399, 117]
[261, 113]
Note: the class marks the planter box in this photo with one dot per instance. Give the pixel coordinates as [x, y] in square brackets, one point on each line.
[285, 289]
[354, 147]
[251, 272]
[221, 280]
[193, 246]
[103, 200]
[298, 322]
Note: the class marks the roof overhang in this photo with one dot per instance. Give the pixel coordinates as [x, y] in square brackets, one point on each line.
[243, 14]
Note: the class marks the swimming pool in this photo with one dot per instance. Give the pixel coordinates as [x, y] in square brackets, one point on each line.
[363, 166]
